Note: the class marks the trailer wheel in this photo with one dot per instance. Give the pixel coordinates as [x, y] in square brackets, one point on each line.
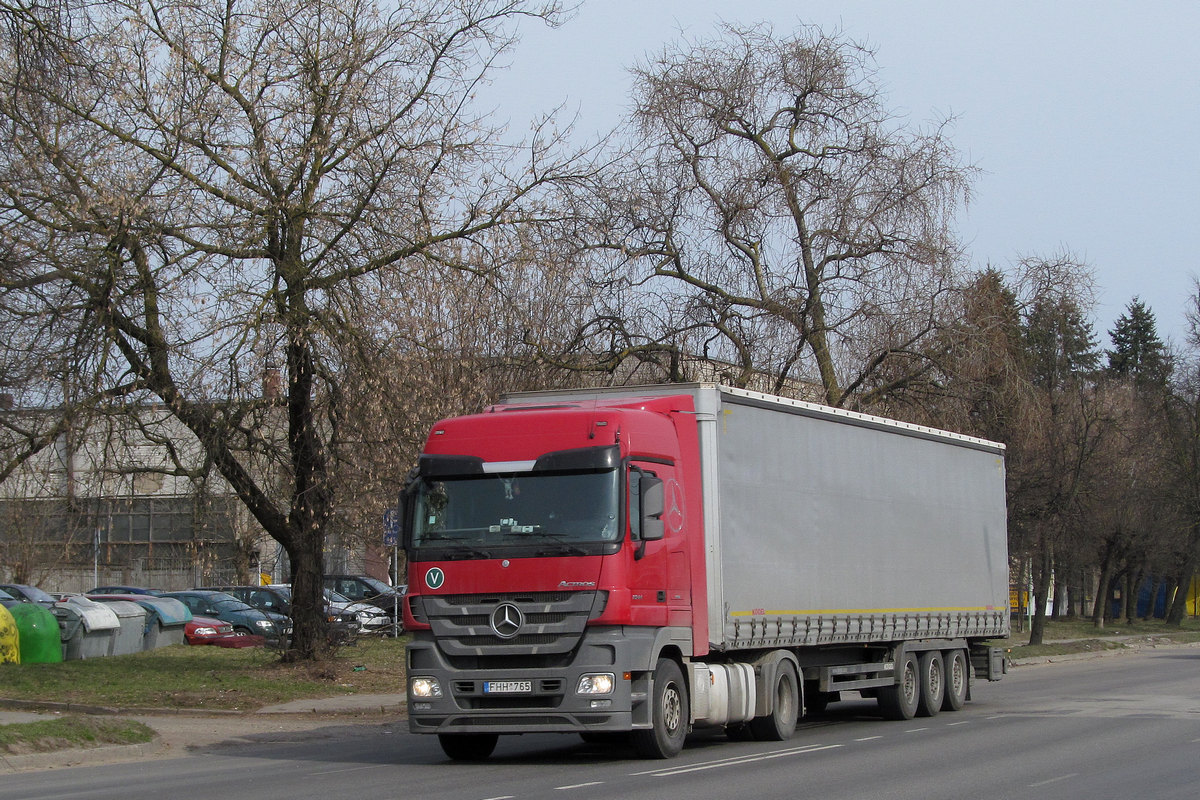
[957, 677]
[780, 724]
[933, 683]
[468, 746]
[669, 714]
[899, 701]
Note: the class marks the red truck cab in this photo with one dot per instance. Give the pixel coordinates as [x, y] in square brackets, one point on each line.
[554, 553]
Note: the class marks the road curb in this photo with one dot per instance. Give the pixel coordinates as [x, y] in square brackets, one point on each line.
[1130, 648]
[80, 756]
[82, 708]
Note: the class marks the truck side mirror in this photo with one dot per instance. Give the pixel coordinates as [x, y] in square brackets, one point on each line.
[653, 505]
[408, 502]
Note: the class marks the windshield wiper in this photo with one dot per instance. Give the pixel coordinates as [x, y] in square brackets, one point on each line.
[563, 550]
[464, 553]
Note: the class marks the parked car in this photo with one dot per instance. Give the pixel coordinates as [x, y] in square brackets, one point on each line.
[245, 619]
[7, 599]
[122, 590]
[343, 626]
[206, 631]
[371, 619]
[28, 594]
[365, 589]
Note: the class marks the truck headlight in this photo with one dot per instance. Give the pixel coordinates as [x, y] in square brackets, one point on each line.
[595, 683]
[424, 687]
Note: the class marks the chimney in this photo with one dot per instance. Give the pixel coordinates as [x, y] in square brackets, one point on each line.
[272, 383]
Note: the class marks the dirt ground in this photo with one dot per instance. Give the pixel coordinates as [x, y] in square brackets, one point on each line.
[179, 734]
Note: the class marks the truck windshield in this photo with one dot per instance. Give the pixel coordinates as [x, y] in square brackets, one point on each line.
[543, 512]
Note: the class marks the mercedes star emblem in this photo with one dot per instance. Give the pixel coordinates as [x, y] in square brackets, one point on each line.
[507, 620]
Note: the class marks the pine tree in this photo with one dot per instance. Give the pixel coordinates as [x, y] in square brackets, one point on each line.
[1060, 343]
[1138, 353]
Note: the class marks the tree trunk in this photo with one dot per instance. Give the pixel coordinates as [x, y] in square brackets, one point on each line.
[1041, 594]
[1178, 608]
[1187, 571]
[1132, 584]
[309, 625]
[1103, 590]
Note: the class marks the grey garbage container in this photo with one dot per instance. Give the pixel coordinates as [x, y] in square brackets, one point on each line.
[166, 619]
[132, 619]
[87, 629]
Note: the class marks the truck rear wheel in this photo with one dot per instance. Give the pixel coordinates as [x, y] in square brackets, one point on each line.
[957, 677]
[933, 683]
[899, 701]
[668, 712]
[468, 746]
[780, 724]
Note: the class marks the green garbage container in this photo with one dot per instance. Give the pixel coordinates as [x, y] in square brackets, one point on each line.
[38, 632]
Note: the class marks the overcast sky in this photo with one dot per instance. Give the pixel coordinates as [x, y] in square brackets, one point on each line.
[1083, 116]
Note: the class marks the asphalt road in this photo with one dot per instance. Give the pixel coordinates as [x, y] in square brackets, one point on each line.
[1117, 727]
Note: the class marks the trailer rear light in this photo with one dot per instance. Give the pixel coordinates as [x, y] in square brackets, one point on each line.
[424, 688]
[596, 683]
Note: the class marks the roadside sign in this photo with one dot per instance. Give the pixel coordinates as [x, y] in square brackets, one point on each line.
[391, 528]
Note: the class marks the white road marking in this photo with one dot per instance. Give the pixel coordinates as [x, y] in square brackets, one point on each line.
[1053, 780]
[347, 769]
[738, 760]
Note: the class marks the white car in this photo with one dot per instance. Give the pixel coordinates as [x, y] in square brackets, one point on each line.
[371, 619]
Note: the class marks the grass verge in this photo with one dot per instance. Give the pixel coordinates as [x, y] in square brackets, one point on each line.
[63, 733]
[214, 678]
[1065, 637]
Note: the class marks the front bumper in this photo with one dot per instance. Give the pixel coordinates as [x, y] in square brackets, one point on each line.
[549, 704]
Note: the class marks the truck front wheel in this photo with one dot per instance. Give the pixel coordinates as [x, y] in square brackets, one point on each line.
[468, 746]
[669, 714]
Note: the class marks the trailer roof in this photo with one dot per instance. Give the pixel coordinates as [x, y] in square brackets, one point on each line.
[748, 397]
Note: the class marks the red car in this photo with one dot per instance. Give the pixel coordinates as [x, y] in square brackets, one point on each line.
[205, 630]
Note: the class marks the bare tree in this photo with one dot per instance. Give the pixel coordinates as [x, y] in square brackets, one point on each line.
[783, 208]
[193, 194]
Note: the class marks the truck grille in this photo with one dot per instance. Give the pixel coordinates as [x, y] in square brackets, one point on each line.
[550, 622]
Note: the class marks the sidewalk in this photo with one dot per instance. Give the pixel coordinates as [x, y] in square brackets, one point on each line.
[181, 730]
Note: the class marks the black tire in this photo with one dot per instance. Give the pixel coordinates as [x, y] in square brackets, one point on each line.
[780, 724]
[958, 676]
[669, 712]
[243, 631]
[899, 701]
[933, 683]
[468, 746]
